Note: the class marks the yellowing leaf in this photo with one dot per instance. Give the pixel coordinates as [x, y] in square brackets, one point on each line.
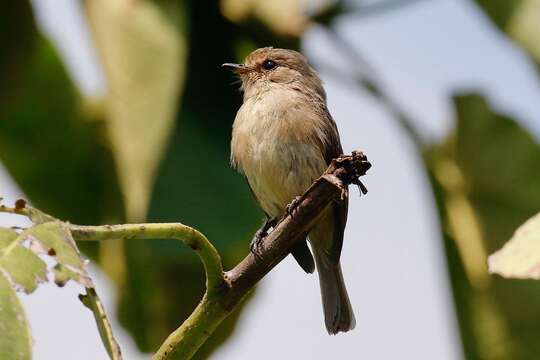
[15, 339]
[286, 17]
[56, 240]
[20, 265]
[143, 54]
[62, 274]
[520, 257]
[524, 26]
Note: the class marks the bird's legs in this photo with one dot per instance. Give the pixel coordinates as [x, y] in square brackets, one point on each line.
[270, 223]
[261, 233]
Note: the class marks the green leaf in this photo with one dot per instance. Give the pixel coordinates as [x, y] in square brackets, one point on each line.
[15, 342]
[62, 274]
[24, 268]
[56, 240]
[37, 216]
[144, 56]
[520, 257]
[485, 177]
[501, 163]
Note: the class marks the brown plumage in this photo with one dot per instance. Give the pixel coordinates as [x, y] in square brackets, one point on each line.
[283, 139]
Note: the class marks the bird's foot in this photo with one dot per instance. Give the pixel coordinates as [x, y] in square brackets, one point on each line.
[256, 242]
[255, 245]
[292, 206]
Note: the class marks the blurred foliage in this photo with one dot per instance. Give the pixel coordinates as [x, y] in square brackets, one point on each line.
[500, 11]
[519, 19]
[164, 127]
[62, 155]
[144, 56]
[485, 176]
[47, 142]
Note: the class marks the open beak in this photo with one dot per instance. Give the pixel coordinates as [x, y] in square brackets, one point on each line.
[237, 68]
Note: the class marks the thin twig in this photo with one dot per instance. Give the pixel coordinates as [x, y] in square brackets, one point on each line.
[13, 210]
[92, 302]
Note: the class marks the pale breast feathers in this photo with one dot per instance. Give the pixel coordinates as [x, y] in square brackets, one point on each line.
[281, 143]
[282, 117]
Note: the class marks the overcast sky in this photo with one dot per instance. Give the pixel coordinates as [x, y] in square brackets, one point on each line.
[392, 261]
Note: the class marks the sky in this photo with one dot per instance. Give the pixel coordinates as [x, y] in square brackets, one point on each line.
[392, 260]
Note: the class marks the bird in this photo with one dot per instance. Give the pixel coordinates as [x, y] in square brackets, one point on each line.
[283, 139]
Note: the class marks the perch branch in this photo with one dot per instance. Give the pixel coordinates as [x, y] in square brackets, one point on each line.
[225, 290]
[217, 304]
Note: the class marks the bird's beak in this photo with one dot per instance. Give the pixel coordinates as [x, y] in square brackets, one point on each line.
[237, 68]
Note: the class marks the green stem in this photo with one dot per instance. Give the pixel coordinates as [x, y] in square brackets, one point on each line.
[189, 236]
[195, 330]
[188, 338]
[92, 302]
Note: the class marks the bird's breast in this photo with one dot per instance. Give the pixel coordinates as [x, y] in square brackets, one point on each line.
[275, 145]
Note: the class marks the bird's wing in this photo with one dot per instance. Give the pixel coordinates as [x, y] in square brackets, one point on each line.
[332, 150]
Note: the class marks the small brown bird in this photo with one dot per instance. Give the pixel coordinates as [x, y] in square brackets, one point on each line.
[283, 139]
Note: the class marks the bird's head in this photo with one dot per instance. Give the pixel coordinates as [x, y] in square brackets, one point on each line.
[269, 66]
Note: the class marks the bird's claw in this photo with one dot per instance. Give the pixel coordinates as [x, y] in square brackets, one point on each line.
[294, 203]
[256, 242]
[255, 245]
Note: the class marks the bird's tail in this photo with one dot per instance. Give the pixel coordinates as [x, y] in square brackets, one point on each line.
[338, 313]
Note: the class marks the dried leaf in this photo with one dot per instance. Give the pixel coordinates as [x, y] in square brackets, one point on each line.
[520, 257]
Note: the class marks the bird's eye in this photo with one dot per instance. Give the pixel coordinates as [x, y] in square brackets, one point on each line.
[269, 64]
